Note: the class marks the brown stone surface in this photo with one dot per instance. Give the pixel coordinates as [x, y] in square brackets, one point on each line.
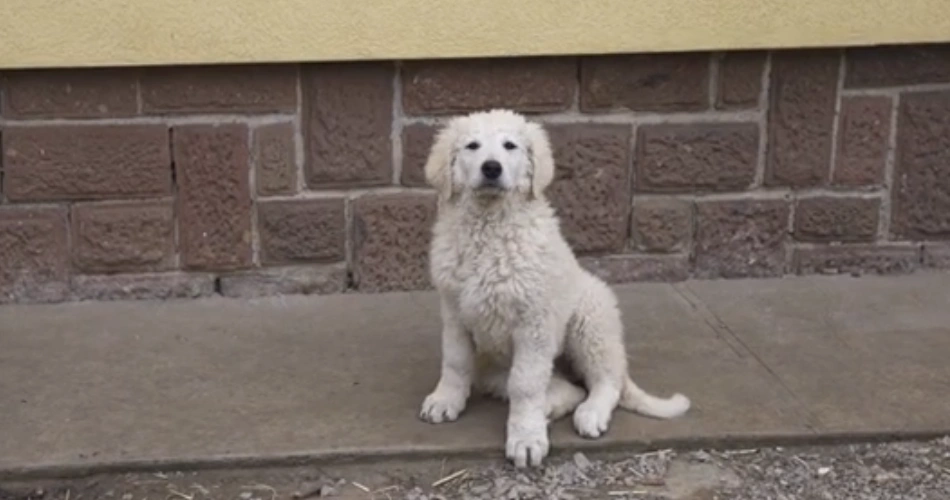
[921, 194]
[391, 241]
[856, 259]
[661, 225]
[936, 255]
[214, 203]
[616, 269]
[591, 185]
[645, 82]
[801, 117]
[698, 156]
[897, 65]
[740, 79]
[275, 159]
[348, 116]
[73, 93]
[298, 280]
[835, 218]
[34, 255]
[416, 143]
[863, 132]
[238, 89]
[302, 230]
[531, 84]
[73, 162]
[740, 238]
[128, 236]
[148, 286]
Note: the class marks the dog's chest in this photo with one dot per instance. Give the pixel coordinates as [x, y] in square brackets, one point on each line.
[495, 279]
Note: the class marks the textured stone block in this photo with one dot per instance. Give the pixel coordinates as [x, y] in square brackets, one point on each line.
[801, 117]
[238, 89]
[645, 82]
[275, 159]
[148, 286]
[936, 255]
[70, 93]
[302, 230]
[416, 144]
[897, 65]
[214, 203]
[864, 129]
[75, 162]
[616, 269]
[591, 186]
[741, 238]
[661, 225]
[34, 255]
[700, 156]
[128, 236]
[835, 218]
[391, 241]
[921, 192]
[740, 79]
[348, 116]
[531, 84]
[856, 259]
[298, 280]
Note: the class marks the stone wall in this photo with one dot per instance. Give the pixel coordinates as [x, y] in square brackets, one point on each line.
[251, 180]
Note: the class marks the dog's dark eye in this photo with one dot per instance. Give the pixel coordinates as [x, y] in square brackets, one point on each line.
[472, 145]
[509, 145]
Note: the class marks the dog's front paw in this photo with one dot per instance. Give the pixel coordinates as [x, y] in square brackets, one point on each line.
[528, 445]
[591, 420]
[442, 406]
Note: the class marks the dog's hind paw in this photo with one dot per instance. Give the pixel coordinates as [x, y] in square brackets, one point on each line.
[591, 421]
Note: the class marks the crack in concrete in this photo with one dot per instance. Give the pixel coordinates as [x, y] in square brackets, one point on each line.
[742, 349]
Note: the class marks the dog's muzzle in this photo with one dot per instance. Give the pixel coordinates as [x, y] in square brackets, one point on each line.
[491, 170]
[491, 176]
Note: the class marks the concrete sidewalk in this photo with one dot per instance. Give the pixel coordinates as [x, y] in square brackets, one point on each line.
[146, 383]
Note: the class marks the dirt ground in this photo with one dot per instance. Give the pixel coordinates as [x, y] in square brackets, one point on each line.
[902, 470]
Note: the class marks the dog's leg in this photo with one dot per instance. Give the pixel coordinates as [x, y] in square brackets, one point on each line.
[595, 341]
[492, 380]
[532, 365]
[596, 346]
[561, 398]
[448, 399]
[592, 417]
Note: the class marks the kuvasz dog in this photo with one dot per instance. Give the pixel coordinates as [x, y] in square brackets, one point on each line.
[515, 303]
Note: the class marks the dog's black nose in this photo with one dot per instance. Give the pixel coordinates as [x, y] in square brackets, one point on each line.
[491, 169]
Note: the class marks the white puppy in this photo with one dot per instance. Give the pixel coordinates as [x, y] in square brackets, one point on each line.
[513, 297]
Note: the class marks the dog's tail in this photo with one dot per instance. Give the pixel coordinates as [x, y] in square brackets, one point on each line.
[633, 398]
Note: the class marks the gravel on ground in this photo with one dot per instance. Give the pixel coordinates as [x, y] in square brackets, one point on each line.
[909, 470]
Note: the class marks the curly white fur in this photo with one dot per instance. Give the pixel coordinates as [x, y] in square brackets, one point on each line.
[513, 296]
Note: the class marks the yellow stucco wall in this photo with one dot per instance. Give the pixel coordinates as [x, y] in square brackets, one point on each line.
[39, 33]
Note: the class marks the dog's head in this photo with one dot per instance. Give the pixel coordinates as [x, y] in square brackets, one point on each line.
[489, 154]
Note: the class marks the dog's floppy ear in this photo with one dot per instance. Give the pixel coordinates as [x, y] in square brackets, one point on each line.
[438, 168]
[542, 159]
